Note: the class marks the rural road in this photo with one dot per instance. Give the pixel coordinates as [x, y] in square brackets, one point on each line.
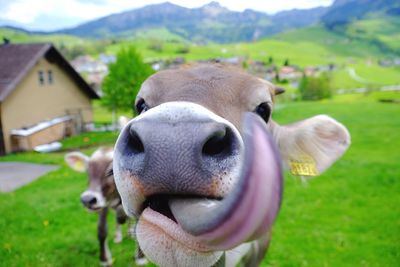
[355, 76]
[16, 174]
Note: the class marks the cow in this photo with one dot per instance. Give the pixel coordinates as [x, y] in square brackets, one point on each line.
[101, 196]
[201, 165]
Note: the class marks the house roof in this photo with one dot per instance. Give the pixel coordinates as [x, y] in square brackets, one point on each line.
[18, 59]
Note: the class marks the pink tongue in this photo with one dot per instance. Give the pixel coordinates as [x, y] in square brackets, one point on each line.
[251, 208]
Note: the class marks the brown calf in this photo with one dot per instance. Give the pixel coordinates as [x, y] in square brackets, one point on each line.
[101, 196]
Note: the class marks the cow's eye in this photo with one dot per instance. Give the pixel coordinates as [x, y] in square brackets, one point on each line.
[264, 111]
[141, 106]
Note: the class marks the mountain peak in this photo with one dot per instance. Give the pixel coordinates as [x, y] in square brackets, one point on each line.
[214, 9]
[165, 4]
[213, 4]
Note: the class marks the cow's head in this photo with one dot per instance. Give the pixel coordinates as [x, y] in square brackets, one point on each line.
[101, 188]
[200, 165]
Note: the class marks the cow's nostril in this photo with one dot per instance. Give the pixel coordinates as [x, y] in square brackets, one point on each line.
[93, 201]
[88, 200]
[218, 143]
[135, 143]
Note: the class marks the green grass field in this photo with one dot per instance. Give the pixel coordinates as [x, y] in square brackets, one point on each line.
[350, 216]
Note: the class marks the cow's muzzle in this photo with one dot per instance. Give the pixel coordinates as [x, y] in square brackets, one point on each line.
[189, 173]
[93, 200]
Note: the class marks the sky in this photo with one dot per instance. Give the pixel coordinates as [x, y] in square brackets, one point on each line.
[47, 15]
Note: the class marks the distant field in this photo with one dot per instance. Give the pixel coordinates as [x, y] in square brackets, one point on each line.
[349, 216]
[308, 46]
[304, 47]
[373, 75]
[302, 52]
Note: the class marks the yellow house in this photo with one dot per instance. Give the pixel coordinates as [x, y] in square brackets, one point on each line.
[36, 85]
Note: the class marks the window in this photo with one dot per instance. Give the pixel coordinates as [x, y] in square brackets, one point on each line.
[50, 76]
[41, 77]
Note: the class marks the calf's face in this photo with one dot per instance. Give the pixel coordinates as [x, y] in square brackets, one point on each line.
[201, 165]
[101, 190]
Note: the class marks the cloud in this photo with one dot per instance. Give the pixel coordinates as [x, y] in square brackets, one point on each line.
[30, 13]
[66, 13]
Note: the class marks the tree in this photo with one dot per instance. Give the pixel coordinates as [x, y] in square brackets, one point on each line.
[315, 88]
[286, 63]
[124, 79]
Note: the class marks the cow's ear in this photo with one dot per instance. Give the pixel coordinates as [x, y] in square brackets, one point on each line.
[77, 161]
[311, 146]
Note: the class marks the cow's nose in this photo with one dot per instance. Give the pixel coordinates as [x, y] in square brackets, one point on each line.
[178, 154]
[206, 141]
[88, 200]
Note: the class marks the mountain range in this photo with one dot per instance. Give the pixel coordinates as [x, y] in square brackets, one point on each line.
[215, 23]
[211, 22]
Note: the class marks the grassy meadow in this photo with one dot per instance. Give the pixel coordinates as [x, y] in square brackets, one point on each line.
[349, 216]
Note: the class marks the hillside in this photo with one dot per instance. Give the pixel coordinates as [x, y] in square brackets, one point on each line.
[373, 21]
[303, 47]
[381, 31]
[312, 46]
[69, 45]
[20, 36]
[343, 12]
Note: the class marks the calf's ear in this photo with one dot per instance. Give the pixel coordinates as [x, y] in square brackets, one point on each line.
[311, 146]
[77, 161]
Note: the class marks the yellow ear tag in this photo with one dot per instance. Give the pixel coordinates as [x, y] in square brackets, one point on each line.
[303, 166]
[79, 165]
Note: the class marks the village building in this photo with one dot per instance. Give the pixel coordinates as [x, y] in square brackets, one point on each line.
[290, 73]
[311, 71]
[42, 98]
[93, 71]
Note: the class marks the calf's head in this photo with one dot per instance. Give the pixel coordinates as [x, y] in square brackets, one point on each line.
[101, 189]
[201, 167]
